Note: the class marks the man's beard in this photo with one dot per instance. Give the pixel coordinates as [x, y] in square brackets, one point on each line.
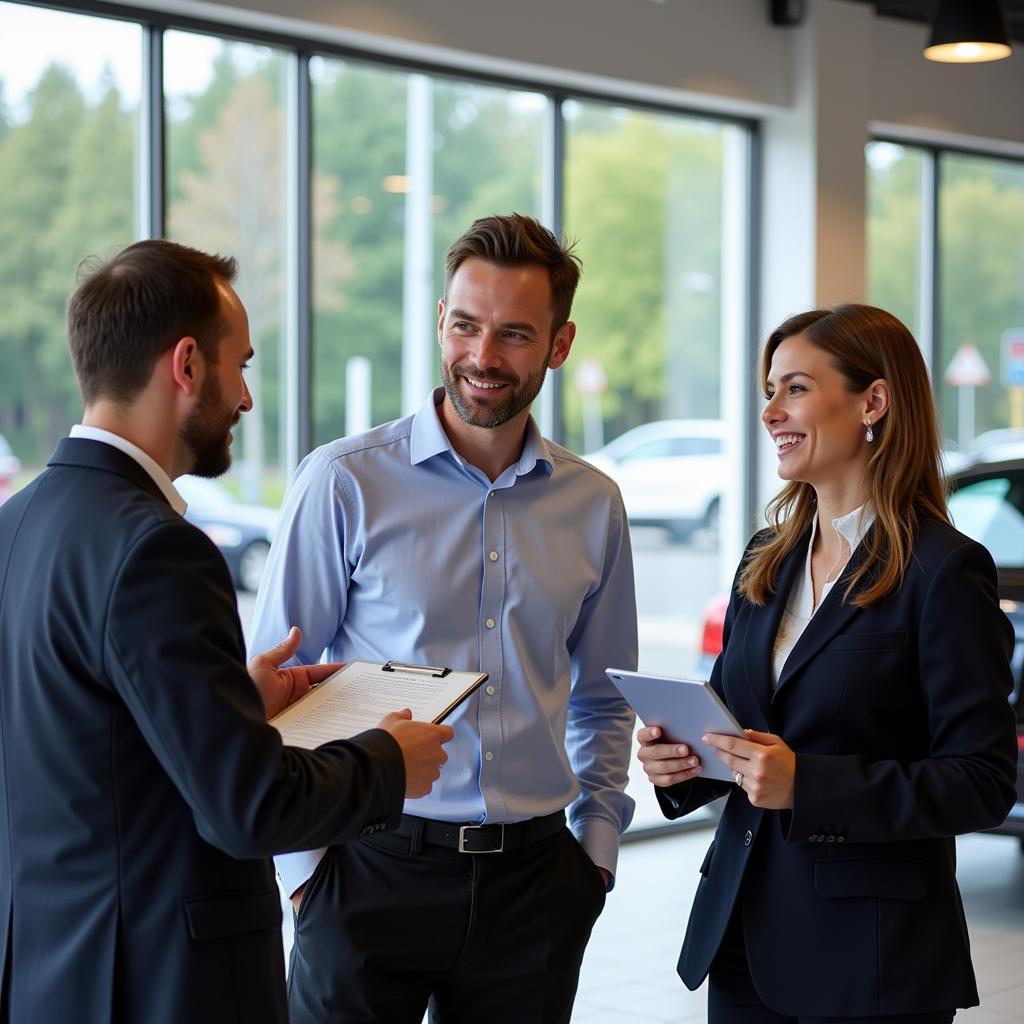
[509, 402]
[206, 431]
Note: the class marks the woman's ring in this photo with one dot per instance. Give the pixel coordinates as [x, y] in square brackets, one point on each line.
[739, 779]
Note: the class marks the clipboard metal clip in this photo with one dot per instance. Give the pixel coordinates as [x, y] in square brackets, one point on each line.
[434, 671]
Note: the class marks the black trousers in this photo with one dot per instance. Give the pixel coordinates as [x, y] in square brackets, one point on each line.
[732, 998]
[388, 927]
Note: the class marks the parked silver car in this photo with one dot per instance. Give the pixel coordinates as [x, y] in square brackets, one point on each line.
[671, 473]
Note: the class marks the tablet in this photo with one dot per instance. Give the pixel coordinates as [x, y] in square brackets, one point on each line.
[684, 709]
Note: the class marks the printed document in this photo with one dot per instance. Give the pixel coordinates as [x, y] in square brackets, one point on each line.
[358, 696]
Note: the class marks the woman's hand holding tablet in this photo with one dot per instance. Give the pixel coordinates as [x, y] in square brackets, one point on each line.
[684, 710]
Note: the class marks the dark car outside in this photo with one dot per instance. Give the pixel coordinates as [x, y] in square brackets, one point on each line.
[986, 503]
[242, 532]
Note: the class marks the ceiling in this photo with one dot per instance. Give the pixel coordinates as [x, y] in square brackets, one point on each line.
[922, 10]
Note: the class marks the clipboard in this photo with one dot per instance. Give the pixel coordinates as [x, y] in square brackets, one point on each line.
[684, 709]
[359, 695]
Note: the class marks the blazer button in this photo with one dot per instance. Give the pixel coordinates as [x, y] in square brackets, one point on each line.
[812, 839]
[830, 839]
[840, 839]
[748, 838]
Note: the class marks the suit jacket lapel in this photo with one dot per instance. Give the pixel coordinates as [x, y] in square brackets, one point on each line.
[832, 617]
[764, 626]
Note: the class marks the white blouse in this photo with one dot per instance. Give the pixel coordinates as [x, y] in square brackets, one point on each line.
[800, 607]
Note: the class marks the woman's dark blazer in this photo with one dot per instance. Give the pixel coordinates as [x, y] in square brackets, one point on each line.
[904, 738]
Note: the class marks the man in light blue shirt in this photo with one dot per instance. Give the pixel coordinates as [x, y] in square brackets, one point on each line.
[459, 536]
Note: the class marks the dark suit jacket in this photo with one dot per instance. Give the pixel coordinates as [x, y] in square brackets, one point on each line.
[904, 738]
[142, 790]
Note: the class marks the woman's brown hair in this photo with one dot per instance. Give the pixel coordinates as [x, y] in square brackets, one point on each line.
[903, 476]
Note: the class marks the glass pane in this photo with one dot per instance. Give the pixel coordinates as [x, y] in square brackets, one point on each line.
[982, 300]
[894, 230]
[226, 155]
[990, 511]
[68, 189]
[402, 165]
[657, 203]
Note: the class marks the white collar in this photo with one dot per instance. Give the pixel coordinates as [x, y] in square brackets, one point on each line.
[147, 462]
[854, 525]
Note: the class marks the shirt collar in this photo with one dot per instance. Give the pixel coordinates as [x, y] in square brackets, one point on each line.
[429, 439]
[852, 527]
[147, 462]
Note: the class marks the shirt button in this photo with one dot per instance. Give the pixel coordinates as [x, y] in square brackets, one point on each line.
[489, 623]
[493, 556]
[490, 691]
[489, 756]
[748, 838]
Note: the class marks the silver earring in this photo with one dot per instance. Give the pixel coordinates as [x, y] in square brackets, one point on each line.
[869, 434]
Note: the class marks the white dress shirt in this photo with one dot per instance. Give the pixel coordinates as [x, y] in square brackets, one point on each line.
[800, 607]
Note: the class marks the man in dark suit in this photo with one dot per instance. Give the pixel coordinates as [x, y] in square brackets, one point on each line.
[143, 791]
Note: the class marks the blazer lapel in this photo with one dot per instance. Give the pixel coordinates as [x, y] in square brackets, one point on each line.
[763, 626]
[832, 617]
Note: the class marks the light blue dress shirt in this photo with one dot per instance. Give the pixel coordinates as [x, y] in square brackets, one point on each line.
[391, 546]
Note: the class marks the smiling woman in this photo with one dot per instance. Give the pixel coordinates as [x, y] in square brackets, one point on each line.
[866, 656]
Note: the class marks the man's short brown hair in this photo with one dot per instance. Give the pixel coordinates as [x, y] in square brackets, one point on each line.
[518, 241]
[127, 312]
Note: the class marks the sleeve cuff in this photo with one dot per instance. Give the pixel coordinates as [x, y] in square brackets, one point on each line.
[386, 754]
[296, 869]
[600, 841]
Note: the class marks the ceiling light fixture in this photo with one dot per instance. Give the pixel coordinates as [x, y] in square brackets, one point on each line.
[968, 32]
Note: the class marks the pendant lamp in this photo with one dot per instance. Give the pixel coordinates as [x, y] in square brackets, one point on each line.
[968, 32]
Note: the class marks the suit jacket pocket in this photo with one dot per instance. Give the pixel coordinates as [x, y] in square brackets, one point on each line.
[870, 878]
[891, 640]
[224, 915]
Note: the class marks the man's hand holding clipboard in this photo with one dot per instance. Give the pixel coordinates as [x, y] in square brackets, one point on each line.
[362, 695]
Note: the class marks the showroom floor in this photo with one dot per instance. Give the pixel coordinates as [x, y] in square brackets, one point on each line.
[629, 971]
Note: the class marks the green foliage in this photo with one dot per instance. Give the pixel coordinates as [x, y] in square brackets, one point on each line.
[66, 187]
[981, 265]
[643, 195]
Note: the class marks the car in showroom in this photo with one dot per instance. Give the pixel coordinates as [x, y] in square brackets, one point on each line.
[10, 466]
[986, 503]
[242, 532]
[671, 474]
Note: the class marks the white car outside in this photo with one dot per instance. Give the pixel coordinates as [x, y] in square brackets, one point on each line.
[671, 473]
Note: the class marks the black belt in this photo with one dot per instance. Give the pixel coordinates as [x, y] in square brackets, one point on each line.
[475, 838]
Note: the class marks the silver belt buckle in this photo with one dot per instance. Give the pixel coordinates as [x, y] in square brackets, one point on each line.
[463, 829]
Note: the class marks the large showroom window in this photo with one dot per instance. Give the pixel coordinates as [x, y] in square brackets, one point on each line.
[981, 298]
[339, 181]
[653, 199]
[69, 187]
[403, 163]
[946, 254]
[226, 192]
[897, 243]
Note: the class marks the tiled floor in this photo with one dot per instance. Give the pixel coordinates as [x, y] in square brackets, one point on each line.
[629, 971]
